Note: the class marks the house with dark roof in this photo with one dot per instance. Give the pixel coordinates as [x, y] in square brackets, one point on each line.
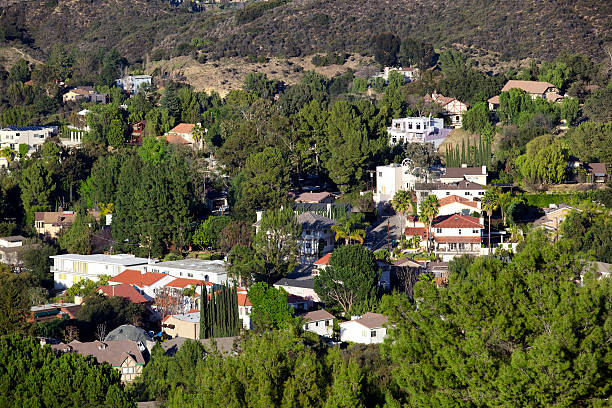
[51, 224]
[553, 216]
[32, 136]
[367, 329]
[473, 174]
[464, 188]
[301, 286]
[317, 236]
[130, 332]
[596, 172]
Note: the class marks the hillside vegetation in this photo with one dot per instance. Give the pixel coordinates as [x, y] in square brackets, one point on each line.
[514, 29]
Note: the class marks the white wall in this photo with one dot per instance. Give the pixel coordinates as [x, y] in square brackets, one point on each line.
[458, 208]
[321, 327]
[355, 332]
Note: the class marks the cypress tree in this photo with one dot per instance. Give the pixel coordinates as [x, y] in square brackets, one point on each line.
[203, 314]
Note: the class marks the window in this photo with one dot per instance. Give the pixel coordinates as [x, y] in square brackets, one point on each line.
[462, 247]
[448, 193]
[467, 193]
[474, 231]
[459, 231]
[326, 323]
[418, 126]
[481, 193]
[438, 230]
[206, 278]
[317, 324]
[380, 172]
[373, 333]
[452, 246]
[181, 273]
[409, 125]
[190, 275]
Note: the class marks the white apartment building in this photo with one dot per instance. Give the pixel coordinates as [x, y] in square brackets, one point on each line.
[73, 268]
[32, 136]
[393, 178]
[417, 130]
[200, 269]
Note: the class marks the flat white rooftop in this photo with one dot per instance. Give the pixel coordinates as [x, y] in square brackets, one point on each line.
[193, 264]
[118, 259]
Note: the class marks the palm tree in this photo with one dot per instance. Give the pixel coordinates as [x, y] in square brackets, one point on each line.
[351, 229]
[490, 203]
[429, 209]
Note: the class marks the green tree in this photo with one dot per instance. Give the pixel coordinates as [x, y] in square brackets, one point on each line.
[270, 308]
[402, 202]
[569, 110]
[350, 281]
[37, 262]
[266, 183]
[19, 71]
[14, 304]
[219, 313]
[490, 203]
[591, 142]
[31, 375]
[346, 390]
[276, 242]
[36, 189]
[77, 239]
[478, 119]
[245, 265]
[350, 228]
[598, 105]
[429, 209]
[207, 234]
[545, 161]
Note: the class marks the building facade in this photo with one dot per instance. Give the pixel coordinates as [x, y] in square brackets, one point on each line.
[69, 269]
[32, 136]
[199, 269]
[416, 130]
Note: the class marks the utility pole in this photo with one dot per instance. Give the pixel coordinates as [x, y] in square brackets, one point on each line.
[388, 238]
[89, 238]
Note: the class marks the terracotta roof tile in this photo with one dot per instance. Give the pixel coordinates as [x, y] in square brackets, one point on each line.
[243, 300]
[185, 282]
[324, 260]
[462, 240]
[138, 278]
[125, 291]
[457, 221]
[457, 199]
[182, 128]
[416, 231]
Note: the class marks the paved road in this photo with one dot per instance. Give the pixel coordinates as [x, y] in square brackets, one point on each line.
[377, 237]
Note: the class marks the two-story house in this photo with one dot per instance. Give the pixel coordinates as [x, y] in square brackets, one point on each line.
[417, 130]
[52, 224]
[69, 269]
[453, 109]
[199, 269]
[464, 188]
[317, 236]
[32, 136]
[536, 89]
[473, 174]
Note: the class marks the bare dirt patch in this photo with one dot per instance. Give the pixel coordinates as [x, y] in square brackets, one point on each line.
[10, 55]
[228, 74]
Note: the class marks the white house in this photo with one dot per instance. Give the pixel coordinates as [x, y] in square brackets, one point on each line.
[457, 174]
[199, 269]
[134, 83]
[244, 309]
[408, 73]
[302, 287]
[32, 136]
[466, 189]
[73, 268]
[144, 282]
[453, 108]
[368, 329]
[454, 204]
[320, 322]
[417, 130]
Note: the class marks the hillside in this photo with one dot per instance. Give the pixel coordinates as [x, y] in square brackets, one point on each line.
[514, 28]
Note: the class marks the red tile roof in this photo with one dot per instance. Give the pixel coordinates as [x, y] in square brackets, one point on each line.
[416, 231]
[176, 140]
[185, 282]
[460, 240]
[138, 278]
[324, 260]
[457, 221]
[182, 128]
[457, 199]
[243, 300]
[125, 291]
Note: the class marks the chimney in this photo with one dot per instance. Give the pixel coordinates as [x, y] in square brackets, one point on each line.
[484, 169]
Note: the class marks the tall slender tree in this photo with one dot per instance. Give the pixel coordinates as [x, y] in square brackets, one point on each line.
[429, 210]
